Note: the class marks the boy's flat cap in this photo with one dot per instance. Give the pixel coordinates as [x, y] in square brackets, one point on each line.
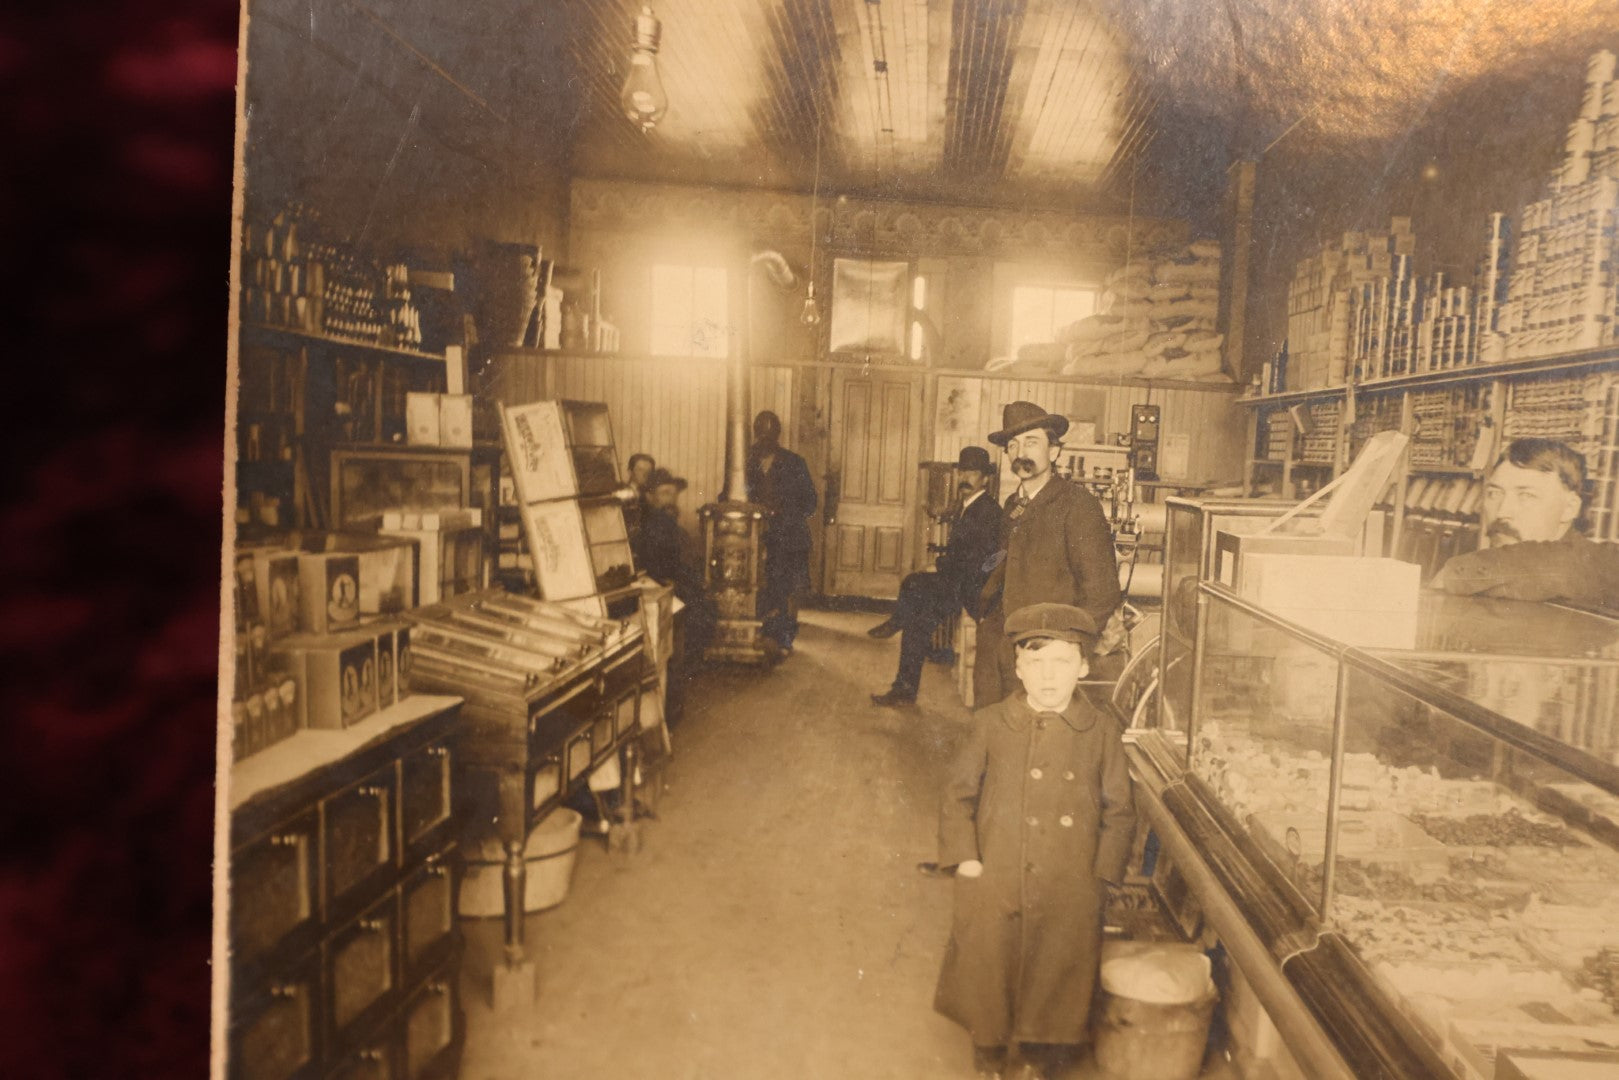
[1061, 621]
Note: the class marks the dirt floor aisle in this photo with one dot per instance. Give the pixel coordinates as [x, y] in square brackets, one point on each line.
[775, 924]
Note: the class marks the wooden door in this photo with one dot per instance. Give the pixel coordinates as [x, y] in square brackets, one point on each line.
[873, 458]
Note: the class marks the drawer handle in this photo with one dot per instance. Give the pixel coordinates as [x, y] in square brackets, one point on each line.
[439, 987]
[439, 751]
[373, 791]
[286, 840]
[285, 990]
[373, 1054]
[372, 926]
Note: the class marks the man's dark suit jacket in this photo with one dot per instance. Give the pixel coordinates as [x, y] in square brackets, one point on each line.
[975, 537]
[1059, 551]
[789, 493]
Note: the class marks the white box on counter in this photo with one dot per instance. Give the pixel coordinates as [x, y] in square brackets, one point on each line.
[1366, 602]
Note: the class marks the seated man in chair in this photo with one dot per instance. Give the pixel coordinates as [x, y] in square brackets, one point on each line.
[928, 599]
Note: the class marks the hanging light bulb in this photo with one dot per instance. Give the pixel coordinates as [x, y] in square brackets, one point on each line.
[642, 98]
[811, 315]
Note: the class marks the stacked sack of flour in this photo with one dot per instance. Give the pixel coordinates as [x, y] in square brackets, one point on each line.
[1157, 321]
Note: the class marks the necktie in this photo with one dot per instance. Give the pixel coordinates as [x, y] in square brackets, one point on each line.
[1020, 503]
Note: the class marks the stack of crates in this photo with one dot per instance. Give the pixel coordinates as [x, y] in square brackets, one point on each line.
[1326, 291]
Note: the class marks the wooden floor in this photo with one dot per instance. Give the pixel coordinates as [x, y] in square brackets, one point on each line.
[775, 924]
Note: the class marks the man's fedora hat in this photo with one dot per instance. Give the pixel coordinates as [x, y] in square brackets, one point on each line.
[976, 458]
[1021, 416]
[661, 476]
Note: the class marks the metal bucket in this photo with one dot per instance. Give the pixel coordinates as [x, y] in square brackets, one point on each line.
[1140, 1040]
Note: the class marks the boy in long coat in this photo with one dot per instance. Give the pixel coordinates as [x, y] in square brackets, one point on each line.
[1037, 818]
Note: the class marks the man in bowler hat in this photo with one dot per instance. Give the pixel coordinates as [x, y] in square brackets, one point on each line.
[929, 598]
[1057, 545]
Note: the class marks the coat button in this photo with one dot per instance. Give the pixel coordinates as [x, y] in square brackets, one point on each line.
[1040, 724]
[1036, 773]
[1066, 822]
[1032, 822]
[1068, 775]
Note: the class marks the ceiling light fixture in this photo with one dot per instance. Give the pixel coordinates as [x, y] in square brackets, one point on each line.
[642, 98]
[811, 315]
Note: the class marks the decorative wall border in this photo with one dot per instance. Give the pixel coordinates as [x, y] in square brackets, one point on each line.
[916, 228]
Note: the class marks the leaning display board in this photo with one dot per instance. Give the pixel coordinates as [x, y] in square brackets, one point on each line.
[564, 468]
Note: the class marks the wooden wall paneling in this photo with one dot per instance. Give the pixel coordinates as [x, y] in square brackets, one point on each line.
[964, 409]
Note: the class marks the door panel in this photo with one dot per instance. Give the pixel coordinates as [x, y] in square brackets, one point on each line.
[876, 427]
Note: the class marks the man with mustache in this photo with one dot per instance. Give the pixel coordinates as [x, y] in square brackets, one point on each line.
[1056, 542]
[928, 599]
[1534, 498]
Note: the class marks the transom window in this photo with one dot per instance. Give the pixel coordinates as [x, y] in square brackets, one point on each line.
[1039, 311]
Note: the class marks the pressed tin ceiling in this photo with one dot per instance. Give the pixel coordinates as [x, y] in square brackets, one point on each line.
[1053, 102]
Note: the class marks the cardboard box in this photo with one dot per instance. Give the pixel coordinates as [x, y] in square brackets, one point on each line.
[393, 664]
[387, 578]
[1232, 551]
[336, 676]
[1366, 602]
[277, 577]
[455, 420]
[422, 420]
[329, 591]
[1557, 1065]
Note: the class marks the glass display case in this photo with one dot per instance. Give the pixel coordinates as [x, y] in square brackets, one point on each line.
[1444, 820]
[1189, 539]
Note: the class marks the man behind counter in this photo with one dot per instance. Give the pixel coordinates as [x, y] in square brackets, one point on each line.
[1533, 501]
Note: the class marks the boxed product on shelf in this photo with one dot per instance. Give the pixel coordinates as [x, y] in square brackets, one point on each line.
[422, 419]
[434, 419]
[329, 590]
[393, 664]
[278, 580]
[336, 676]
[449, 547]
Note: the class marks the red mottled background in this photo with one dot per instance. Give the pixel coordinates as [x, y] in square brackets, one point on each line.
[114, 233]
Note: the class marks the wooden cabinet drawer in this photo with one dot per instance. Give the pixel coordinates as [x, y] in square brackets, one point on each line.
[276, 1033]
[431, 1028]
[373, 1059]
[274, 889]
[624, 717]
[546, 785]
[579, 755]
[427, 914]
[358, 835]
[424, 796]
[620, 674]
[601, 732]
[361, 962]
